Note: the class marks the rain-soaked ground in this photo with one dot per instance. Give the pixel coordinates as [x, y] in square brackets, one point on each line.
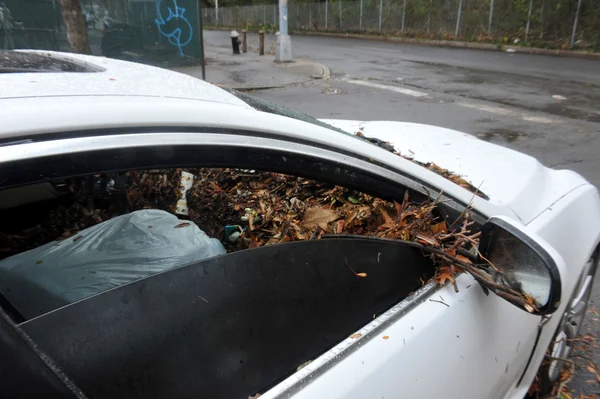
[543, 106]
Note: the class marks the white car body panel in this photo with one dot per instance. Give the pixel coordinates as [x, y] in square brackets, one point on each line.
[476, 347]
[506, 176]
[115, 78]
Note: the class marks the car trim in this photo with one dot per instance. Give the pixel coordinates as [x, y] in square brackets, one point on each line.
[21, 153]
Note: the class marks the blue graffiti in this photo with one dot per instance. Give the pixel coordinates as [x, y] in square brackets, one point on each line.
[175, 36]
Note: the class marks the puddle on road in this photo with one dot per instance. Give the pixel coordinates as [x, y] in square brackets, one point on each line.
[500, 136]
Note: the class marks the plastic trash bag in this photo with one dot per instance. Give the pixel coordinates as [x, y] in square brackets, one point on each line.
[108, 255]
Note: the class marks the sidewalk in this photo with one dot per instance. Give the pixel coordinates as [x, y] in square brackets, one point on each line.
[251, 71]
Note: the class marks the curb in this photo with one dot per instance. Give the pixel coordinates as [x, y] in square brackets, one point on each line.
[449, 43]
[324, 73]
[458, 44]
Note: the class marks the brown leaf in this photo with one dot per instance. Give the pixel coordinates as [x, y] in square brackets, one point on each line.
[251, 221]
[318, 216]
[464, 259]
[389, 222]
[356, 335]
[591, 369]
[339, 226]
[398, 207]
[386, 337]
[439, 228]
[180, 225]
[443, 275]
[361, 274]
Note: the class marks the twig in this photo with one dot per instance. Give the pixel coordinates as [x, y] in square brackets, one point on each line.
[467, 207]
[443, 303]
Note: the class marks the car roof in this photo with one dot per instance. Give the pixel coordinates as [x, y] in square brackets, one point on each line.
[54, 74]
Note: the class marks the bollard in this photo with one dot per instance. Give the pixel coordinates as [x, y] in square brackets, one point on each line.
[244, 43]
[261, 39]
[235, 41]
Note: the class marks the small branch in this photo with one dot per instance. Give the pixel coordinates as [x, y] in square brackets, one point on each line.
[443, 303]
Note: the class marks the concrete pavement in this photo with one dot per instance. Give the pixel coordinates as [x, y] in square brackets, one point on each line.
[249, 70]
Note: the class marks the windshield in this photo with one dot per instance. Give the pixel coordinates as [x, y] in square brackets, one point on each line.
[266, 106]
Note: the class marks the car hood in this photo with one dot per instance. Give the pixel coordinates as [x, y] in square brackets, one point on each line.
[507, 177]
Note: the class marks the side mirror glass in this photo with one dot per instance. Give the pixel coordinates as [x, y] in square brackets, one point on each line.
[523, 262]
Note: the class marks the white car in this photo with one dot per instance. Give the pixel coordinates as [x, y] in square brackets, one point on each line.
[164, 335]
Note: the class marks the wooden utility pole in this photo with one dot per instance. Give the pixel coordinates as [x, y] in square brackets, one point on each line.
[75, 26]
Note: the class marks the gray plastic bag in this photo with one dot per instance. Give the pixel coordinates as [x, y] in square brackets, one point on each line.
[110, 254]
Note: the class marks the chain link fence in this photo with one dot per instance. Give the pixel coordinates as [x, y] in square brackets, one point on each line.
[158, 32]
[542, 23]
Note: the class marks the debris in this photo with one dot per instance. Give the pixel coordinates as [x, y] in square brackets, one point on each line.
[558, 97]
[300, 367]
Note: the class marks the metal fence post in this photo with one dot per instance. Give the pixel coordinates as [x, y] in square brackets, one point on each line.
[528, 20]
[326, 10]
[360, 16]
[575, 24]
[340, 15]
[458, 20]
[403, 15]
[261, 41]
[491, 16]
[380, 9]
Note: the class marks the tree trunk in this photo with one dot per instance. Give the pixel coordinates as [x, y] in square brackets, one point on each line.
[75, 25]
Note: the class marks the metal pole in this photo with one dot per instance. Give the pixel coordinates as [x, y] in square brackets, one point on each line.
[217, 10]
[340, 15]
[326, 10]
[261, 38]
[380, 9]
[201, 40]
[491, 16]
[575, 24]
[310, 25]
[528, 20]
[458, 20]
[360, 17]
[403, 15]
[283, 48]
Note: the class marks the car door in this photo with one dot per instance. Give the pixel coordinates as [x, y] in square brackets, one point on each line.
[439, 343]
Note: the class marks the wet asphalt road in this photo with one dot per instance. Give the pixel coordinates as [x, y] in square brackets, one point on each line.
[547, 107]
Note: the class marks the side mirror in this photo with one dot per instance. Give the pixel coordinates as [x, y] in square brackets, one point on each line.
[524, 262]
